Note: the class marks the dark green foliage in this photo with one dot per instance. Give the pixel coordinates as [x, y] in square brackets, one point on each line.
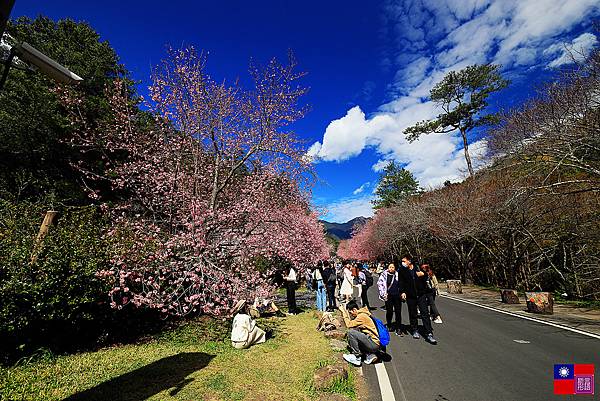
[58, 293]
[35, 157]
[395, 184]
[57, 302]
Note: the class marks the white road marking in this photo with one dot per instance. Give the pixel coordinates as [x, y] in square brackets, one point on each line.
[560, 326]
[522, 341]
[387, 394]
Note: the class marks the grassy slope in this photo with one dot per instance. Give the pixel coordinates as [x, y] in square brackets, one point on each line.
[185, 364]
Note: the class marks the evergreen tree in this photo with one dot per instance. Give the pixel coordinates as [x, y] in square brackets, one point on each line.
[35, 156]
[462, 95]
[395, 184]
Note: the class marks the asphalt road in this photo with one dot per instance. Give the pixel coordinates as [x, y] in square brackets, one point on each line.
[477, 358]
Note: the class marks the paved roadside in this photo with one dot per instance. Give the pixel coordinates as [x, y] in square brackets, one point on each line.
[584, 319]
[482, 355]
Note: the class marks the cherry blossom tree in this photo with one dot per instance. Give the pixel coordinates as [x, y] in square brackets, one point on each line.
[216, 180]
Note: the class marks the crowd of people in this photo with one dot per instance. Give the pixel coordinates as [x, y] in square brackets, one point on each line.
[336, 282]
[410, 284]
[345, 285]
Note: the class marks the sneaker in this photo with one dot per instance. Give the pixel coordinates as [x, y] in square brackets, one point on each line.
[431, 339]
[399, 333]
[438, 320]
[371, 358]
[416, 335]
[352, 359]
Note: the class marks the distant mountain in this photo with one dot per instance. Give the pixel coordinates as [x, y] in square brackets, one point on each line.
[342, 231]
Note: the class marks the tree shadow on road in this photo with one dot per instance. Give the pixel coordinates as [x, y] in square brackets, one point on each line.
[142, 383]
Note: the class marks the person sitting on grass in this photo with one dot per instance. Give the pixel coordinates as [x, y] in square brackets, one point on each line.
[363, 338]
[245, 332]
[265, 307]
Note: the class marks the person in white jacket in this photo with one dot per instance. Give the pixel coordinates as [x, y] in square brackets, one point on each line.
[245, 332]
[291, 283]
[347, 286]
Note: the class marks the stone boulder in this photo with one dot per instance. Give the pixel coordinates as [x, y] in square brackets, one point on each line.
[338, 344]
[540, 302]
[509, 296]
[335, 334]
[325, 377]
[328, 321]
[454, 286]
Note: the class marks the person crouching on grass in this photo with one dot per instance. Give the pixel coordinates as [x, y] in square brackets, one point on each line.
[363, 337]
[244, 331]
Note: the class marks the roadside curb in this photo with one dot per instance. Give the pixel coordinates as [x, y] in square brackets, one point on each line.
[542, 321]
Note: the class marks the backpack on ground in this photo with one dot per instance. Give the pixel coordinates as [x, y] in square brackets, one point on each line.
[382, 332]
[369, 278]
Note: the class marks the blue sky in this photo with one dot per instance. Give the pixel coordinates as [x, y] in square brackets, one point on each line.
[370, 67]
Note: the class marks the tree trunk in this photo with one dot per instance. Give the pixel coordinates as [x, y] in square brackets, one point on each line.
[46, 223]
[463, 133]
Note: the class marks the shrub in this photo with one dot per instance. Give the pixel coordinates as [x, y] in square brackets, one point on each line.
[57, 302]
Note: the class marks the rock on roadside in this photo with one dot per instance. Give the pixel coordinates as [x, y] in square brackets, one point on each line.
[540, 302]
[338, 344]
[324, 377]
[335, 334]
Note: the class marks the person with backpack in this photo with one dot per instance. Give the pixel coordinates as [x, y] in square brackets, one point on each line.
[413, 289]
[389, 292]
[366, 281]
[364, 337]
[330, 278]
[308, 279]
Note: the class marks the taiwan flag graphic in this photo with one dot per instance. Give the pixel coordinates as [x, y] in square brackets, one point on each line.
[573, 379]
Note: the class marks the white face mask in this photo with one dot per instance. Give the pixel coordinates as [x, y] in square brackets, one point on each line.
[404, 264]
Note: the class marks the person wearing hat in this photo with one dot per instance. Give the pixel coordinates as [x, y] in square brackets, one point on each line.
[245, 332]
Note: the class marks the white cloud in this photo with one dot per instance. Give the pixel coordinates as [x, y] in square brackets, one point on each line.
[380, 165]
[577, 50]
[347, 136]
[433, 37]
[346, 209]
[361, 188]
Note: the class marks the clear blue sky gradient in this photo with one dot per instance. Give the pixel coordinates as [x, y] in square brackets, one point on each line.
[343, 45]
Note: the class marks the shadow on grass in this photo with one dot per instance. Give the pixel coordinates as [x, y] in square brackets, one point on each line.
[163, 374]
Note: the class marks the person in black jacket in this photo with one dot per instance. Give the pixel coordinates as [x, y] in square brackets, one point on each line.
[330, 279]
[413, 288]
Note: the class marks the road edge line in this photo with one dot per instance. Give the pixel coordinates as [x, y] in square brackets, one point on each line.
[387, 394]
[560, 326]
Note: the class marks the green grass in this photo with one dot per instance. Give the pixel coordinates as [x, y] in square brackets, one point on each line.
[300, 290]
[589, 304]
[193, 362]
